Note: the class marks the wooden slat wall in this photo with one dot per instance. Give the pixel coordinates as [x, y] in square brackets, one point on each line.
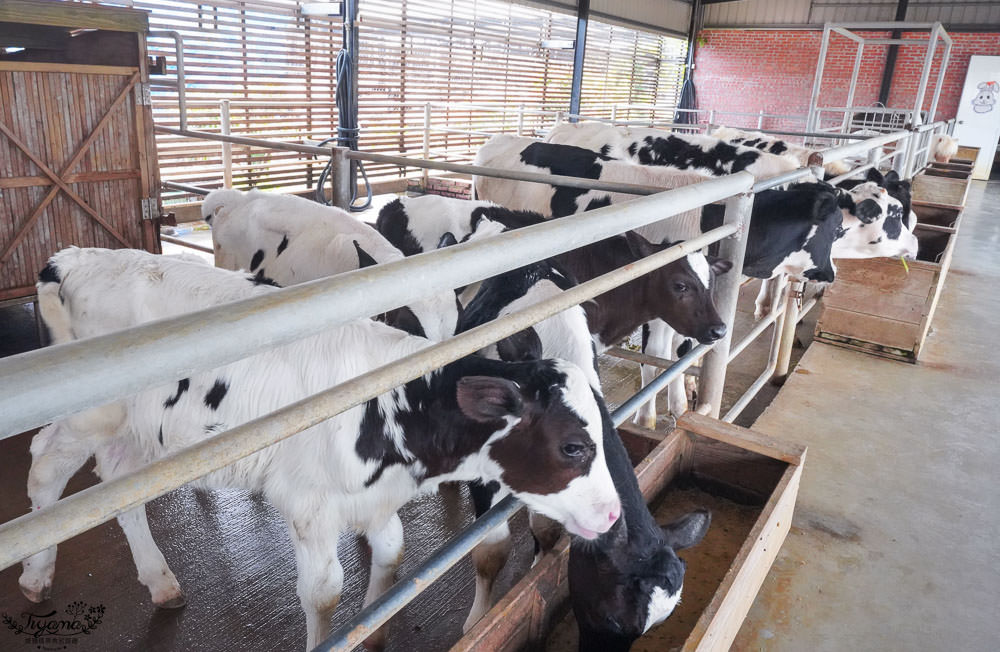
[52, 113]
[486, 52]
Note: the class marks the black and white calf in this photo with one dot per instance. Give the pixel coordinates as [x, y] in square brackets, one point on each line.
[534, 428]
[706, 155]
[775, 145]
[290, 240]
[636, 557]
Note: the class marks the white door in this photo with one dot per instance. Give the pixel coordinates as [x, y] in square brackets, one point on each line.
[978, 119]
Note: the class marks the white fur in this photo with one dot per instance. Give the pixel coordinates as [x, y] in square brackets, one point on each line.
[320, 244]
[661, 605]
[800, 153]
[943, 147]
[315, 479]
[699, 264]
[431, 216]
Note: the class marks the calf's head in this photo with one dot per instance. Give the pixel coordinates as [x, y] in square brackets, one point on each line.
[546, 444]
[875, 224]
[620, 591]
[681, 291]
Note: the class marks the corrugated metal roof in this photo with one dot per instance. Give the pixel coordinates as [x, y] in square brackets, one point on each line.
[666, 15]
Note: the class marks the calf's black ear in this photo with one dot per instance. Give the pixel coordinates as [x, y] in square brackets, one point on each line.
[719, 265]
[486, 398]
[520, 347]
[687, 530]
[639, 246]
[364, 260]
[876, 176]
[891, 176]
[447, 239]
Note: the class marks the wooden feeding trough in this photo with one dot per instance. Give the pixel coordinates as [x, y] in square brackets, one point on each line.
[877, 306]
[941, 188]
[748, 480]
[76, 135]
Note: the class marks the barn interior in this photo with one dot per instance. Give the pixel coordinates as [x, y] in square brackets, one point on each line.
[891, 545]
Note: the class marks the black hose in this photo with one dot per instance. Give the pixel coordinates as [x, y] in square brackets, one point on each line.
[347, 134]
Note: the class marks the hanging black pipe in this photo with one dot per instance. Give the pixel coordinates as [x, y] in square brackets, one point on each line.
[890, 59]
[688, 98]
[582, 16]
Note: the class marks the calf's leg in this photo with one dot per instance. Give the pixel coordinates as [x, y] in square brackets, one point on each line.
[320, 575]
[657, 341]
[490, 556]
[57, 453]
[386, 544]
[115, 459]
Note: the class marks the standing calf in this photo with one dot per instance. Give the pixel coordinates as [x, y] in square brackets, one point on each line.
[534, 428]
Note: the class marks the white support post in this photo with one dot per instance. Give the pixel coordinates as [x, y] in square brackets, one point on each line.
[854, 85]
[925, 74]
[614, 114]
[789, 321]
[932, 113]
[427, 141]
[520, 120]
[340, 176]
[727, 293]
[760, 119]
[227, 148]
[820, 65]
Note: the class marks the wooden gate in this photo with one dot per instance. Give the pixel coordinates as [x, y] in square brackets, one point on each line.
[75, 165]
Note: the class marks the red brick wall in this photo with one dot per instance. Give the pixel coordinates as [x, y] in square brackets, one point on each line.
[773, 70]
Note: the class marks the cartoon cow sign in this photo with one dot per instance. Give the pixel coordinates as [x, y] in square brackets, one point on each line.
[986, 98]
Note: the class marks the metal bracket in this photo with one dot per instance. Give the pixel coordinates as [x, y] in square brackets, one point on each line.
[150, 208]
[142, 94]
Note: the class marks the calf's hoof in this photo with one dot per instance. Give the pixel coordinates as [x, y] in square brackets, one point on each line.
[36, 595]
[176, 602]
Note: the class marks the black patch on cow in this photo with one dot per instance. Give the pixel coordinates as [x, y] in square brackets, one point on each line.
[49, 274]
[160, 435]
[600, 202]
[645, 336]
[394, 224]
[780, 224]
[778, 147]
[565, 160]
[282, 246]
[722, 158]
[867, 210]
[498, 292]
[685, 347]
[633, 148]
[605, 150]
[364, 260]
[893, 224]
[216, 394]
[512, 219]
[753, 142]
[873, 242]
[447, 240]
[182, 386]
[482, 495]
[260, 279]
[404, 319]
[521, 346]
[257, 259]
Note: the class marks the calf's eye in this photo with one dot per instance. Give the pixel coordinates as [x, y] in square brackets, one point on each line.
[680, 287]
[574, 450]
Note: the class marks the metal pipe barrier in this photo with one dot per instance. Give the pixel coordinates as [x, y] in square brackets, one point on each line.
[79, 512]
[181, 82]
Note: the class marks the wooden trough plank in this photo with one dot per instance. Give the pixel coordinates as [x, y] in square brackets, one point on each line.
[876, 329]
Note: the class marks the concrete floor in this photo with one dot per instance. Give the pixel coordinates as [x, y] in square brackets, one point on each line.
[895, 540]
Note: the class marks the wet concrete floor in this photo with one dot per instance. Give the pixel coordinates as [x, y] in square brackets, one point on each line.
[233, 558]
[894, 542]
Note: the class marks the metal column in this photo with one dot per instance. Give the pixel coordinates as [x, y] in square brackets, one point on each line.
[582, 16]
[817, 82]
[727, 293]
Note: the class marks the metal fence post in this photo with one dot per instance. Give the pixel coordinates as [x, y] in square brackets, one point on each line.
[789, 321]
[760, 119]
[614, 113]
[227, 148]
[340, 177]
[520, 120]
[727, 293]
[900, 163]
[427, 141]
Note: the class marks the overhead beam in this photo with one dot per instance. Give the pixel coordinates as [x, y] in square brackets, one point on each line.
[890, 59]
[582, 17]
[41, 37]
